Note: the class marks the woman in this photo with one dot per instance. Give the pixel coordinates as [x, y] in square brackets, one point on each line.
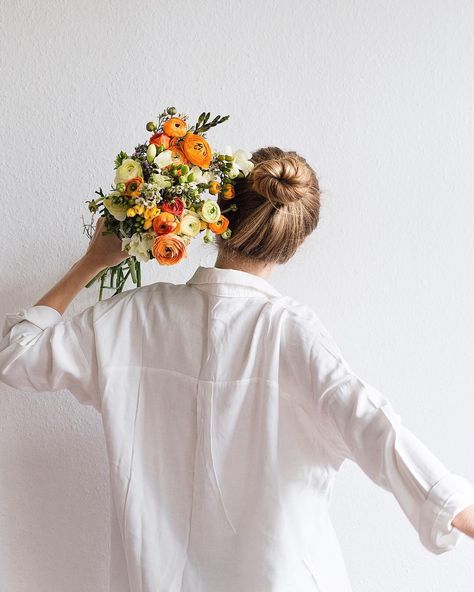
[228, 409]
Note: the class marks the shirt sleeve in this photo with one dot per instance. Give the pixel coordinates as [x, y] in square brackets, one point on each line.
[39, 351]
[362, 425]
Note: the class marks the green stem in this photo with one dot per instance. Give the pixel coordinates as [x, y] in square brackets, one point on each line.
[131, 267]
[119, 278]
[101, 287]
[120, 288]
[139, 273]
[96, 277]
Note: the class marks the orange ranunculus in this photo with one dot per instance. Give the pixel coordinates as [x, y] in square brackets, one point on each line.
[197, 150]
[220, 226]
[133, 187]
[160, 140]
[177, 230]
[177, 156]
[169, 249]
[228, 191]
[175, 127]
[164, 223]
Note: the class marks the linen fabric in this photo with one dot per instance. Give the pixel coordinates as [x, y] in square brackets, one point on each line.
[228, 410]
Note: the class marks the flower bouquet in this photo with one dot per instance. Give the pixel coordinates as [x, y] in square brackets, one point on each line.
[164, 194]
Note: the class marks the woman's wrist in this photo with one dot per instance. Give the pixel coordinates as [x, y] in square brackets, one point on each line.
[90, 264]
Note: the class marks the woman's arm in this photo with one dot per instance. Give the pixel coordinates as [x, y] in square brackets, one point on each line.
[464, 521]
[103, 251]
[62, 293]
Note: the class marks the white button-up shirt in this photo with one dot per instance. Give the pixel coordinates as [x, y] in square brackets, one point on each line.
[228, 410]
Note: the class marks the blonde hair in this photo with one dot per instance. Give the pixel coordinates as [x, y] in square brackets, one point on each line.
[278, 206]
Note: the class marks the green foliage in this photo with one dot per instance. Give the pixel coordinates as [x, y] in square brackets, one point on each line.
[203, 124]
[121, 156]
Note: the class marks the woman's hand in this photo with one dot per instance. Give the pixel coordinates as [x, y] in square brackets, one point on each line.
[464, 521]
[105, 250]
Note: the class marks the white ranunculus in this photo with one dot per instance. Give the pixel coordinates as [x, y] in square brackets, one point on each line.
[163, 159]
[129, 169]
[118, 211]
[138, 245]
[190, 225]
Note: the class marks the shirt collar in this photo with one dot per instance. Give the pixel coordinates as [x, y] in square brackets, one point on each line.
[231, 282]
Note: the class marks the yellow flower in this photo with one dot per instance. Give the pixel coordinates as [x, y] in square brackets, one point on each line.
[151, 212]
[139, 209]
[131, 212]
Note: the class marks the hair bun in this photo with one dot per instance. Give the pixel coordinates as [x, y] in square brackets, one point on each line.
[281, 180]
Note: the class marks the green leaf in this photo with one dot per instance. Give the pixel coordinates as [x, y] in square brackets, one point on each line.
[121, 156]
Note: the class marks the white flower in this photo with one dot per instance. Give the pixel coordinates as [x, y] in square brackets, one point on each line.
[129, 169]
[200, 176]
[240, 161]
[162, 181]
[163, 159]
[190, 225]
[210, 211]
[118, 211]
[138, 245]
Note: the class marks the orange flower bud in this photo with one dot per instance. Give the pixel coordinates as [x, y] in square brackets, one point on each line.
[214, 187]
[228, 191]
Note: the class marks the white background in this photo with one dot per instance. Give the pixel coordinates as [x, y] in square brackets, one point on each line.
[378, 96]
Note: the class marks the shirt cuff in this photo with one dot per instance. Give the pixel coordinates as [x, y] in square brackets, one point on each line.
[40, 315]
[449, 496]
